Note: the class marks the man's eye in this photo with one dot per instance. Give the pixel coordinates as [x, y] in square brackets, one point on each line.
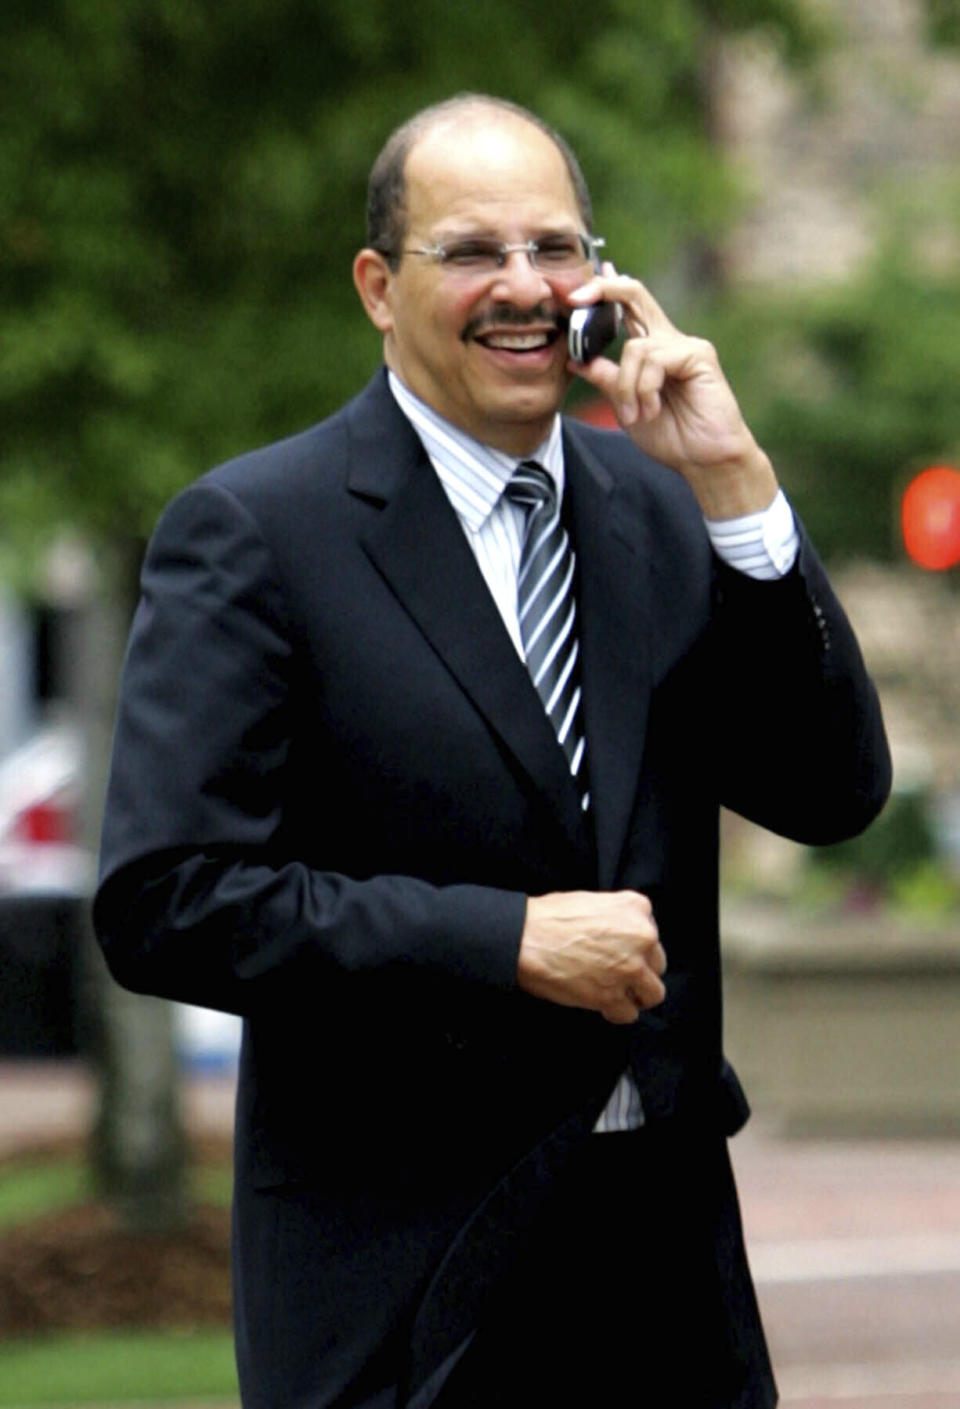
[559, 251]
[467, 254]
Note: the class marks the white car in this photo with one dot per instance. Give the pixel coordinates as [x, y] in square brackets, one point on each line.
[43, 871]
[40, 851]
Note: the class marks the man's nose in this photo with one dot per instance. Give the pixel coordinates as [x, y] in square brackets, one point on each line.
[519, 281]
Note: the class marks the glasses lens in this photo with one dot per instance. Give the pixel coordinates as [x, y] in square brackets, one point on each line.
[472, 255]
[478, 254]
[559, 253]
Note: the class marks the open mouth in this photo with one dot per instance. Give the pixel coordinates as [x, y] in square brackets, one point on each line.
[519, 340]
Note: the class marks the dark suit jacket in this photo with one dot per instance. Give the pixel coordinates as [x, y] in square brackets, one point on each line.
[334, 784]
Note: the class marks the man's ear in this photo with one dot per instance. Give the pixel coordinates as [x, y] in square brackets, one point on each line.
[373, 278]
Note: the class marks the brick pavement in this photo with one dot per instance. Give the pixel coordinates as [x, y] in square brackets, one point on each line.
[855, 1247]
[48, 1100]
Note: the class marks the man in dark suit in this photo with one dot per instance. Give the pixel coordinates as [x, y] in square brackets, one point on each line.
[472, 928]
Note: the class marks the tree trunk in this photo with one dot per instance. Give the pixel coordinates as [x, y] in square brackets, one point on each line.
[138, 1145]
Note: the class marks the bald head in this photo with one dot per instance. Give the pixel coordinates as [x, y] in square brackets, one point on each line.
[387, 190]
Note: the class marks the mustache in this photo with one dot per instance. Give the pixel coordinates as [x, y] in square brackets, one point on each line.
[504, 315]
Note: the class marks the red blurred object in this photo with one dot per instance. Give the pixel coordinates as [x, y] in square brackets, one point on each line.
[596, 412]
[40, 790]
[45, 823]
[930, 518]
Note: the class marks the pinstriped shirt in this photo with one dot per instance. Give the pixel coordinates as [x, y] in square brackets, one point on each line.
[474, 477]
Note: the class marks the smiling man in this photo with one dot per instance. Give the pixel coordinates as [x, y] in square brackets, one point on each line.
[426, 721]
[484, 348]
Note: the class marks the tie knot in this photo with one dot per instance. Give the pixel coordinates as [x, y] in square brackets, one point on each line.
[531, 486]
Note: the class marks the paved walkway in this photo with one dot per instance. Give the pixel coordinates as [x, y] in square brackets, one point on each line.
[855, 1246]
[46, 1100]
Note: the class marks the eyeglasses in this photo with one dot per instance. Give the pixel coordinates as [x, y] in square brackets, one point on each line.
[550, 254]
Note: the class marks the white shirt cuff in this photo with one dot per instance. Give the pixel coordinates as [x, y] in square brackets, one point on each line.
[763, 545]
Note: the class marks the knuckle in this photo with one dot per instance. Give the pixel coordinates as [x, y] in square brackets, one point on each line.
[625, 1013]
[632, 899]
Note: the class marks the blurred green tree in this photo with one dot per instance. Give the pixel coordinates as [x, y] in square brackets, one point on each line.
[851, 389]
[182, 191]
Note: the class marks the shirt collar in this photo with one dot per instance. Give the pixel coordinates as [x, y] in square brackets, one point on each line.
[473, 474]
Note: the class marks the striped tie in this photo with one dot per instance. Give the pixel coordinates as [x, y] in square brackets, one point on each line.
[548, 612]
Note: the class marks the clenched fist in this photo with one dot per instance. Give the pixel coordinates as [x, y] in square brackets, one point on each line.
[593, 949]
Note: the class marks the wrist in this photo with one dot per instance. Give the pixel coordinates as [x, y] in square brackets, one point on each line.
[735, 487]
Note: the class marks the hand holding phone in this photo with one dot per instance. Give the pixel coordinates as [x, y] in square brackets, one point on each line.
[593, 328]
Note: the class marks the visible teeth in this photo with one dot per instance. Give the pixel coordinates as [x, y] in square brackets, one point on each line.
[516, 342]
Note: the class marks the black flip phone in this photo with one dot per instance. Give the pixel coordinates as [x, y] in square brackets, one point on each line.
[592, 329]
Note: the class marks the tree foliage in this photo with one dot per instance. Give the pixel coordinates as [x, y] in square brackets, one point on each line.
[852, 389]
[943, 21]
[182, 190]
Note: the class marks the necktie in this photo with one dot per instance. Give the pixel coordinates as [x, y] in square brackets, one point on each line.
[547, 610]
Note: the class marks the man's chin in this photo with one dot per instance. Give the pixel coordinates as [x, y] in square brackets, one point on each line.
[518, 423]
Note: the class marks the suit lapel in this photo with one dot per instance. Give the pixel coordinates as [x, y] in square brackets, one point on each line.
[419, 547]
[614, 590]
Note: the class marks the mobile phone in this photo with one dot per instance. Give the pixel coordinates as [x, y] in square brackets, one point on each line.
[592, 329]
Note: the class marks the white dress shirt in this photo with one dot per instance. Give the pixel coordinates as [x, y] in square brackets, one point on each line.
[474, 476]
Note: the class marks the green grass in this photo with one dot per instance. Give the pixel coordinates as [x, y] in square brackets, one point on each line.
[118, 1368]
[29, 1189]
[212, 1183]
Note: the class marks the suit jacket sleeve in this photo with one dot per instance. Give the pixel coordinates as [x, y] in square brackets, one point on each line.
[799, 746]
[199, 899]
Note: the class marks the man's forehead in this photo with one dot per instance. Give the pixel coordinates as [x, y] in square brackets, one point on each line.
[485, 157]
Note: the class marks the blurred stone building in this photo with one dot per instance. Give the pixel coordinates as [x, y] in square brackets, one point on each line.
[843, 1017]
[822, 160]
[880, 118]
